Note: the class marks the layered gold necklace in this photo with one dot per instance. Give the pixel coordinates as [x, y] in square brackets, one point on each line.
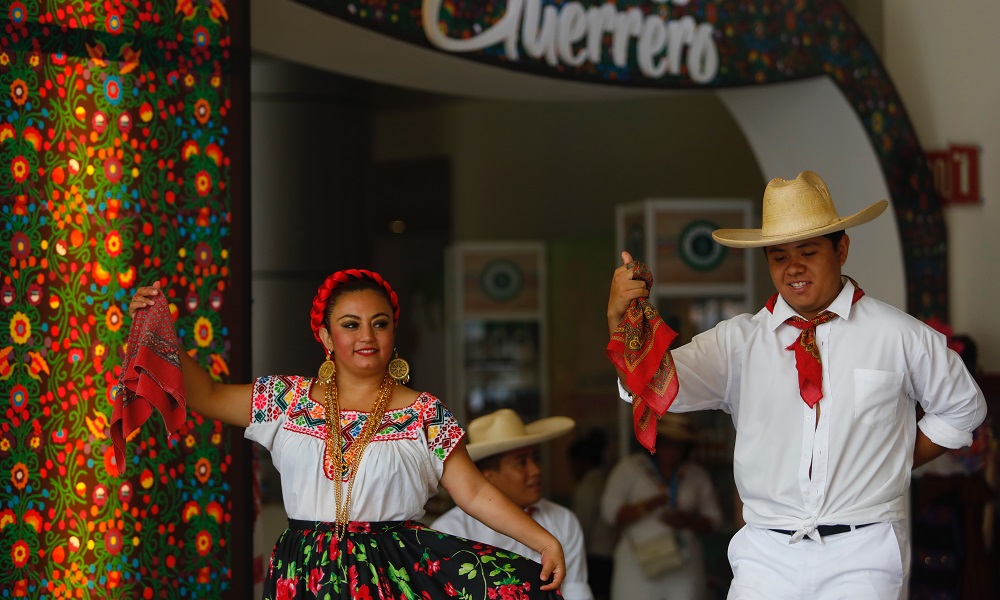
[345, 465]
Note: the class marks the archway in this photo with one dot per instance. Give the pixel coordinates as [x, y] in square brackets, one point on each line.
[848, 115]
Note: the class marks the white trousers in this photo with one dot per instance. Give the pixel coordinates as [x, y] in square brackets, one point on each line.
[871, 563]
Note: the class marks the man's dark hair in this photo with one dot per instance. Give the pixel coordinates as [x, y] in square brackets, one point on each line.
[835, 237]
[490, 463]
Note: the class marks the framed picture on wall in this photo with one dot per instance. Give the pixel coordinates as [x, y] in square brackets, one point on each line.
[497, 347]
[684, 250]
[674, 238]
[500, 279]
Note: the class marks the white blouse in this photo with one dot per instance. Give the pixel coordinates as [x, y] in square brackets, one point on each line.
[399, 470]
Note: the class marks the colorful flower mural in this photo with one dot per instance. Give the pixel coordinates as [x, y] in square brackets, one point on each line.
[97, 102]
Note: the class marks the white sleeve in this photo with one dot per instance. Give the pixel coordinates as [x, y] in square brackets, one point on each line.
[271, 398]
[953, 404]
[623, 393]
[705, 368]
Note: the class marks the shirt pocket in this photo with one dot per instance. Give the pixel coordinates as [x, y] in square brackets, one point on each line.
[876, 396]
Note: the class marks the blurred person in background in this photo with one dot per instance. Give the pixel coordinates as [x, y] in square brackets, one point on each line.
[650, 495]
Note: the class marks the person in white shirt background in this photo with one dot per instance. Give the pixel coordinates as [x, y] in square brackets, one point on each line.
[506, 450]
[824, 406]
[649, 495]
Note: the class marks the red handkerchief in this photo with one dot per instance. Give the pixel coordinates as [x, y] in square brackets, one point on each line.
[151, 377]
[640, 347]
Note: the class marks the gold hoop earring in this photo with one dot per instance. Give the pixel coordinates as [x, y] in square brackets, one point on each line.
[399, 369]
[328, 369]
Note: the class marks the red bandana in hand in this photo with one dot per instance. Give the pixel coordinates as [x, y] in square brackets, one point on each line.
[151, 377]
[807, 359]
[639, 347]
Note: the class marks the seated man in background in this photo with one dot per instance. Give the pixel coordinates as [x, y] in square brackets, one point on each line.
[506, 451]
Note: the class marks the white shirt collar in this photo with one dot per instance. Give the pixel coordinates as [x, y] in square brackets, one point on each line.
[841, 305]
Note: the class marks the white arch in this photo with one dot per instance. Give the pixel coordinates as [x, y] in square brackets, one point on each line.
[808, 124]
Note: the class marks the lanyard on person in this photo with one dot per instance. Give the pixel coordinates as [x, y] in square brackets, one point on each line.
[672, 485]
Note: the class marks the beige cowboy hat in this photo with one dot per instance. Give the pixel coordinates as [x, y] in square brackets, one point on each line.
[504, 430]
[796, 210]
[677, 426]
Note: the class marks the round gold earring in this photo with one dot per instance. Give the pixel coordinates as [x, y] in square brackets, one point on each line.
[327, 369]
[399, 369]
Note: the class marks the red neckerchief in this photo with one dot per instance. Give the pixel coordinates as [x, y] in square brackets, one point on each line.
[807, 359]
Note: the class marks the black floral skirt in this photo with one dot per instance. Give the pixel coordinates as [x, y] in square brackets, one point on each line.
[397, 560]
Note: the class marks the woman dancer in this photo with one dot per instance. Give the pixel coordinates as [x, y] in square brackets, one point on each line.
[359, 455]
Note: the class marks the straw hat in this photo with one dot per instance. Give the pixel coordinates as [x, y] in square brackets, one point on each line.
[677, 426]
[795, 210]
[504, 430]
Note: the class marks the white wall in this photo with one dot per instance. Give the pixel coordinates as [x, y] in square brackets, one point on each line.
[810, 125]
[942, 58]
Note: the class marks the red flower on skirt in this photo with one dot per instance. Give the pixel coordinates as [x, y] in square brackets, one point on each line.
[510, 591]
[360, 590]
[315, 580]
[429, 566]
[384, 589]
[286, 589]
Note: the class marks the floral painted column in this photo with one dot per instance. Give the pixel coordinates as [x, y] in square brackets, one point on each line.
[116, 124]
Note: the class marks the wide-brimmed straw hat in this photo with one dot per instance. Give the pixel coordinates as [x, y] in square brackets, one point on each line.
[677, 426]
[504, 430]
[795, 210]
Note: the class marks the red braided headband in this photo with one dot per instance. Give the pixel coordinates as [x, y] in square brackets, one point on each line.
[318, 312]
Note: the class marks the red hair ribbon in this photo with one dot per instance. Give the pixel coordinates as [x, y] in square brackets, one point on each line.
[318, 312]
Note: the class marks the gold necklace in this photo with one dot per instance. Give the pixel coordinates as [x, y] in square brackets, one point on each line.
[347, 466]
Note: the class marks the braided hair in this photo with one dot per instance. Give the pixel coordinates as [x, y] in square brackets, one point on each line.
[343, 281]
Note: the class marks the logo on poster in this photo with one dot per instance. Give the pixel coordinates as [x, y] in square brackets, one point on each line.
[697, 248]
[502, 280]
[571, 35]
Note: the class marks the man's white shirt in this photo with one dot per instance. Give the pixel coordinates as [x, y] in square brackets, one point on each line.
[854, 467]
